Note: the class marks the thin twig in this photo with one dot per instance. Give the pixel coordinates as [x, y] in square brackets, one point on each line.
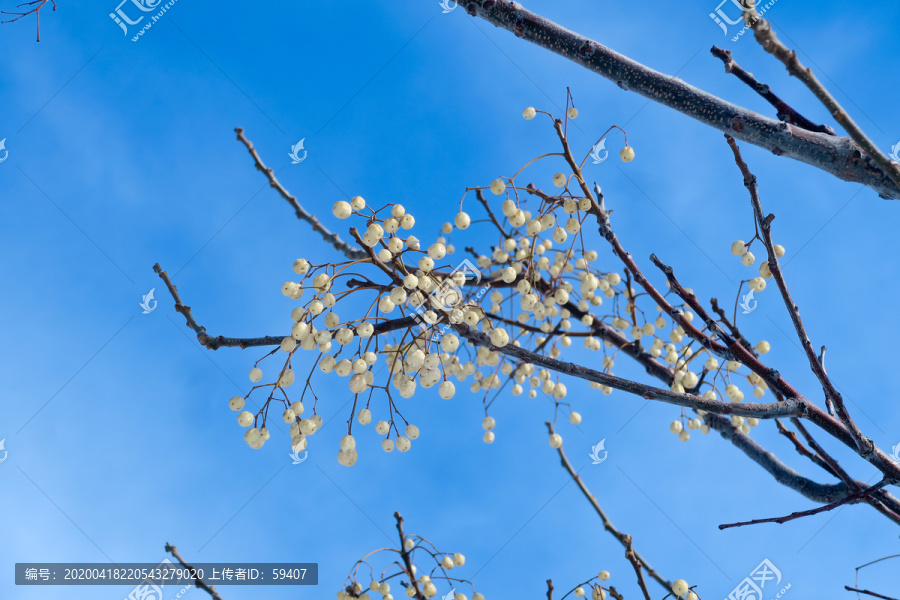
[864, 446]
[785, 111]
[173, 550]
[334, 239]
[210, 342]
[407, 561]
[813, 511]
[36, 11]
[216, 342]
[623, 538]
[487, 207]
[631, 555]
[764, 34]
[867, 592]
[833, 154]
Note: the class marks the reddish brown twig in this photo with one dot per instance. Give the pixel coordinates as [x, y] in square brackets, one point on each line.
[623, 538]
[36, 10]
[631, 555]
[766, 37]
[785, 112]
[813, 511]
[864, 446]
[860, 567]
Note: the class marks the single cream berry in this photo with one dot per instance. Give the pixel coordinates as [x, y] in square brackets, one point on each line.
[627, 154]
[498, 187]
[499, 337]
[446, 390]
[342, 209]
[529, 113]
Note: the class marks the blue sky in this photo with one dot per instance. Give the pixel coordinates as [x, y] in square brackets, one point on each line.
[122, 154]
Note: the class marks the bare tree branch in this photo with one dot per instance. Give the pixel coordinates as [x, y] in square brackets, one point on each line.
[768, 410]
[763, 33]
[210, 589]
[407, 562]
[840, 156]
[210, 342]
[863, 445]
[332, 238]
[813, 511]
[632, 557]
[623, 538]
[868, 593]
[785, 111]
[38, 5]
[214, 343]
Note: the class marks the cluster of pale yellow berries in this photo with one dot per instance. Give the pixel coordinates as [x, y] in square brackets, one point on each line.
[757, 284]
[597, 591]
[426, 584]
[626, 153]
[537, 287]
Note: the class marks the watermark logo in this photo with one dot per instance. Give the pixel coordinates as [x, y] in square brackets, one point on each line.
[895, 151]
[751, 588]
[447, 294]
[295, 153]
[5, 453]
[450, 595]
[152, 589]
[723, 20]
[595, 152]
[748, 303]
[895, 452]
[121, 18]
[146, 300]
[447, 5]
[295, 456]
[595, 453]
[4, 150]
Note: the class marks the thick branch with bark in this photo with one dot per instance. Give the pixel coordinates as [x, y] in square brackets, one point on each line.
[841, 156]
[762, 31]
